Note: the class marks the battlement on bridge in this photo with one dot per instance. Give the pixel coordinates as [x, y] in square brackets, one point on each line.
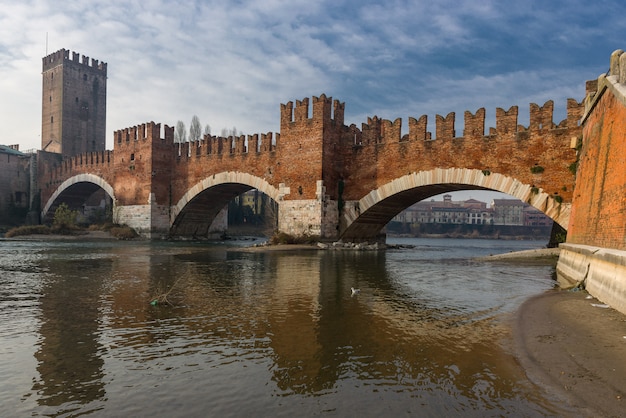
[145, 132]
[58, 57]
[89, 160]
[325, 110]
[614, 80]
[231, 145]
[377, 130]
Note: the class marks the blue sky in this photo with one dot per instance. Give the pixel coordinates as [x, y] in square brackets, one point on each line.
[232, 63]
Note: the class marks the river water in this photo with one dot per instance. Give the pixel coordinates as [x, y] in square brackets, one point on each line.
[273, 333]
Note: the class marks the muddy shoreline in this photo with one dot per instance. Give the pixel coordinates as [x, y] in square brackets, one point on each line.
[573, 348]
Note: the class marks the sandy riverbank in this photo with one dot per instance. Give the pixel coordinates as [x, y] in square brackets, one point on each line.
[574, 351]
[571, 346]
[540, 253]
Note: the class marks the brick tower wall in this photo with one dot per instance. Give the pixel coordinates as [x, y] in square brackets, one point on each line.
[73, 104]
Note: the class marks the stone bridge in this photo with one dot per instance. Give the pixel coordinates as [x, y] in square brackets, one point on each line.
[329, 179]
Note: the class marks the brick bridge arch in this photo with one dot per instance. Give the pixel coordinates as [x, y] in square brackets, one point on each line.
[366, 217]
[329, 179]
[74, 191]
[196, 210]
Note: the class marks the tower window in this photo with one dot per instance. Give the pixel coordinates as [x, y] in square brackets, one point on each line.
[51, 119]
[85, 77]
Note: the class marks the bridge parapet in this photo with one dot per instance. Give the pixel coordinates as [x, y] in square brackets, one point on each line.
[325, 110]
[238, 145]
[53, 170]
[541, 155]
[377, 130]
[147, 131]
[614, 80]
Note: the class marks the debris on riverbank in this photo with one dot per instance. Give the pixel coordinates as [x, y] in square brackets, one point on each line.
[337, 245]
[161, 297]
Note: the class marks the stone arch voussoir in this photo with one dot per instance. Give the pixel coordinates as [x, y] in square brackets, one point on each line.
[80, 178]
[558, 211]
[224, 178]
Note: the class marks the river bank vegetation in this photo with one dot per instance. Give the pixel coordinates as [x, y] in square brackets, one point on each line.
[65, 223]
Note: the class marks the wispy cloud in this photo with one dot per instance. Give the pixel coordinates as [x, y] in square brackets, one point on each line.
[233, 62]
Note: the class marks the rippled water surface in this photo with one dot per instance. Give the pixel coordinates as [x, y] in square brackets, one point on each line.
[262, 333]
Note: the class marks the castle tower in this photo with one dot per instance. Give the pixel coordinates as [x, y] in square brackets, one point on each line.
[73, 117]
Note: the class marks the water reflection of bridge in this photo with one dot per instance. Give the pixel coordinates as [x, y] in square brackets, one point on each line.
[293, 310]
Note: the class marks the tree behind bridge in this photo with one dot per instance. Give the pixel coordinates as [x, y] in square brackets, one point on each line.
[180, 133]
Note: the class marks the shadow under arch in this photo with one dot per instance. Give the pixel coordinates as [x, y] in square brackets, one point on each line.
[75, 191]
[365, 218]
[196, 210]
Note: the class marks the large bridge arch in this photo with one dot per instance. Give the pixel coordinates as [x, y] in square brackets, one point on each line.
[365, 218]
[75, 190]
[196, 210]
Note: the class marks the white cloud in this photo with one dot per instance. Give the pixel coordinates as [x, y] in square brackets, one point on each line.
[233, 62]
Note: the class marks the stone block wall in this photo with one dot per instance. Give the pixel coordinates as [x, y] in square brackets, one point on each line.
[300, 217]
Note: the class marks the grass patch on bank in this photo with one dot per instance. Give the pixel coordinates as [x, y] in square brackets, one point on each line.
[121, 232]
[28, 230]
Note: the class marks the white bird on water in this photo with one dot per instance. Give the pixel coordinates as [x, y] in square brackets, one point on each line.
[355, 291]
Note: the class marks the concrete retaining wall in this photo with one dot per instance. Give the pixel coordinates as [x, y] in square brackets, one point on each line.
[602, 271]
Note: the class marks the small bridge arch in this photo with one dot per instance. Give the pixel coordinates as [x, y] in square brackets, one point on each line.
[365, 218]
[196, 210]
[75, 191]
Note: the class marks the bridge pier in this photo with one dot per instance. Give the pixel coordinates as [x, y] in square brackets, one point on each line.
[314, 217]
[317, 217]
[150, 221]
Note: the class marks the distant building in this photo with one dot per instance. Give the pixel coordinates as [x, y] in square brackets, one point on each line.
[511, 212]
[508, 211]
[15, 176]
[73, 104]
[480, 214]
[535, 217]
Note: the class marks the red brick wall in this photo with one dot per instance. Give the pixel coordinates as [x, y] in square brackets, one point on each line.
[383, 155]
[142, 164]
[598, 215]
[321, 147]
